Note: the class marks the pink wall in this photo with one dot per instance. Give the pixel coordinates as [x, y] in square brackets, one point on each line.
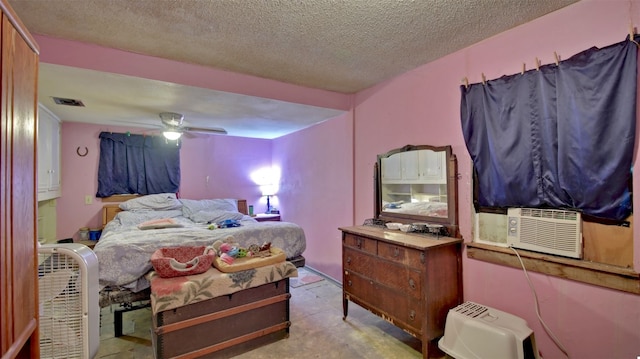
[327, 169]
[226, 160]
[316, 187]
[422, 107]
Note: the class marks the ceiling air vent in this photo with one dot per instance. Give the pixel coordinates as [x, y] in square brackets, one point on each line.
[68, 102]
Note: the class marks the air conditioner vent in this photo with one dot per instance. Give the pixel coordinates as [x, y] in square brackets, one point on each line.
[67, 102]
[549, 213]
[550, 231]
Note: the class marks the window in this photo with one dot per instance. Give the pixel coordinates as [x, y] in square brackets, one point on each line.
[561, 136]
[137, 164]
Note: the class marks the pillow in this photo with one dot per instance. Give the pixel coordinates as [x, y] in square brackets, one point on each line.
[215, 216]
[153, 202]
[160, 224]
[192, 206]
[133, 218]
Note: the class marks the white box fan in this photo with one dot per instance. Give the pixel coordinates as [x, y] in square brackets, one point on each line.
[69, 308]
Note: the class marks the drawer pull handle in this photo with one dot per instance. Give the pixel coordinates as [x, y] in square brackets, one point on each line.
[412, 283]
[350, 283]
[412, 315]
[349, 260]
[396, 252]
[422, 259]
[359, 243]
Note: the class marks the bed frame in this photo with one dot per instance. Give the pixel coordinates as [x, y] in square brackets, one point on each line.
[129, 300]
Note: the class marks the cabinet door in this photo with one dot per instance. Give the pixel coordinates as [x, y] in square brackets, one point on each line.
[18, 297]
[410, 171]
[401, 167]
[391, 169]
[48, 154]
[44, 152]
[432, 167]
[54, 175]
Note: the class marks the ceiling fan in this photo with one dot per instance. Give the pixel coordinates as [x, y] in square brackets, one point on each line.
[174, 126]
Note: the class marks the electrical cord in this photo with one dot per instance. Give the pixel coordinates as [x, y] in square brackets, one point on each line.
[535, 297]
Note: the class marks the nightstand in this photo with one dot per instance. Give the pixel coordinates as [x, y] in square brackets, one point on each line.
[265, 217]
[87, 243]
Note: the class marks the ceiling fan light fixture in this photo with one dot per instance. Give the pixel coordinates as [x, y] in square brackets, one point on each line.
[171, 135]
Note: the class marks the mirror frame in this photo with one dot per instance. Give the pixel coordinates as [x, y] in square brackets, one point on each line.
[451, 222]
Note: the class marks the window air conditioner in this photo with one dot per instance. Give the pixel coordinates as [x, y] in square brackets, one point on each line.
[550, 231]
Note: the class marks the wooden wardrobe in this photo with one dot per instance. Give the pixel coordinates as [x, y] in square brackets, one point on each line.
[18, 219]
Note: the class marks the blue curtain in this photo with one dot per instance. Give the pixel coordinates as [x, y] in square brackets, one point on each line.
[137, 164]
[559, 137]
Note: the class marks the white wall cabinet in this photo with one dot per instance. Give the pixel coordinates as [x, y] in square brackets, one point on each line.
[48, 155]
[425, 167]
[432, 167]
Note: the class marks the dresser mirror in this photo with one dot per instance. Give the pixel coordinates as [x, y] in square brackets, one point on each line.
[417, 184]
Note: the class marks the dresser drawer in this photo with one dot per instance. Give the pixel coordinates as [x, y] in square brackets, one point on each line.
[394, 306]
[356, 261]
[407, 256]
[385, 272]
[361, 243]
[354, 284]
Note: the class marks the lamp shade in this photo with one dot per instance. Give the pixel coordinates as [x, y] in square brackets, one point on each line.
[172, 135]
[268, 190]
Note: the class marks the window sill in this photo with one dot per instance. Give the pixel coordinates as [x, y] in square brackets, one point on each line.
[603, 275]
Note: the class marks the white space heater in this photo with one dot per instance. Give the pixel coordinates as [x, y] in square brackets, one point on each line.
[69, 309]
[545, 230]
[474, 331]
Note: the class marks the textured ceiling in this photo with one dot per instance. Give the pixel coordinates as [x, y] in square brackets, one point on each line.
[342, 46]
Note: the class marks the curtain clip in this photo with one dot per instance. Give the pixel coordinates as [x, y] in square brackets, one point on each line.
[632, 33]
[537, 64]
[484, 79]
[524, 67]
[555, 54]
[465, 81]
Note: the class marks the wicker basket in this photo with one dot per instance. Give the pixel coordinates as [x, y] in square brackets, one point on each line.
[180, 261]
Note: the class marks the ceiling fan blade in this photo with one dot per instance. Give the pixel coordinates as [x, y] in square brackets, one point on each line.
[171, 119]
[132, 123]
[218, 130]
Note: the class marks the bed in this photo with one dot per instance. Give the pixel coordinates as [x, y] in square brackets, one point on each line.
[126, 244]
[138, 227]
[431, 209]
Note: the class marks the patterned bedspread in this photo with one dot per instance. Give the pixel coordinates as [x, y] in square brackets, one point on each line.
[124, 251]
[170, 293]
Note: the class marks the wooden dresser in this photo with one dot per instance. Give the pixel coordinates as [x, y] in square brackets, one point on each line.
[410, 280]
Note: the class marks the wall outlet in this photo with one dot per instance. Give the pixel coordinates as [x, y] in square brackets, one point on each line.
[88, 199]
